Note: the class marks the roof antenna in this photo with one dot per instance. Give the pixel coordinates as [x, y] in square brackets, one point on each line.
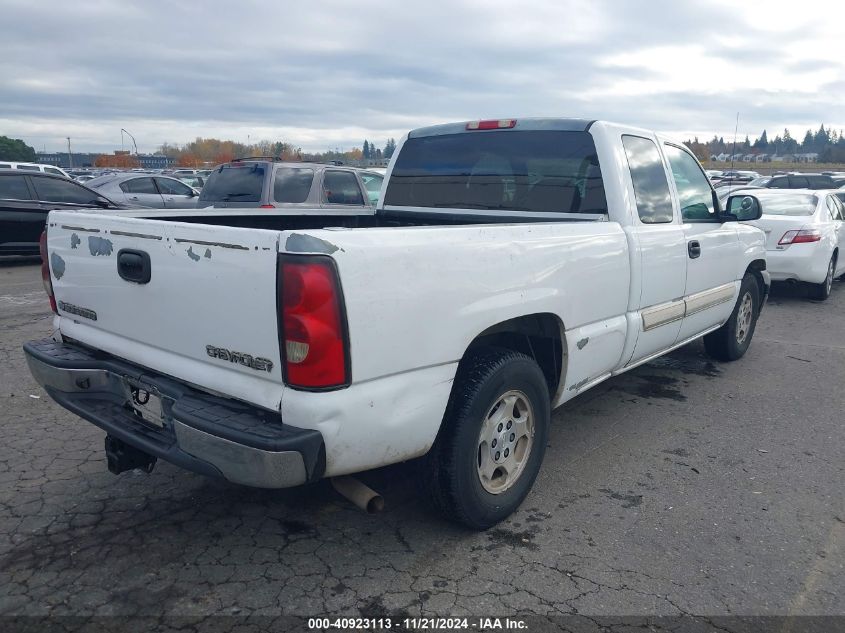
[733, 153]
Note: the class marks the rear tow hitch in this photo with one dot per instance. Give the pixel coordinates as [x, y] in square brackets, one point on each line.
[121, 457]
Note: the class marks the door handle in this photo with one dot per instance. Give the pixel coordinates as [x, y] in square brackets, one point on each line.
[694, 249]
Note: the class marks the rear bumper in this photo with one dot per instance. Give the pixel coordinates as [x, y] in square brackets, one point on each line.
[798, 262]
[207, 434]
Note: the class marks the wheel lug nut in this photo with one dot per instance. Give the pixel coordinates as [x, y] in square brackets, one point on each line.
[500, 427]
[513, 436]
[510, 424]
[507, 452]
[498, 454]
[493, 443]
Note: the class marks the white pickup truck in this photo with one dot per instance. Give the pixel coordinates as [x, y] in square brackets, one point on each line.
[509, 266]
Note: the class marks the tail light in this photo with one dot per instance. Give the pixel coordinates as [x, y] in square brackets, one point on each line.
[266, 206]
[492, 124]
[45, 270]
[313, 331]
[800, 237]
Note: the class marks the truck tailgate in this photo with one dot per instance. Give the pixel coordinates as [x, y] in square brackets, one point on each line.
[207, 315]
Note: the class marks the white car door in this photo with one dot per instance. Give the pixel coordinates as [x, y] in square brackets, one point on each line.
[141, 192]
[662, 250]
[714, 253]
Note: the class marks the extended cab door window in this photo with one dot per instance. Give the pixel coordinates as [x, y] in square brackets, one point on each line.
[341, 187]
[694, 191]
[651, 189]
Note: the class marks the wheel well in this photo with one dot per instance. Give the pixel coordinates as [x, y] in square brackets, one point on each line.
[755, 268]
[539, 336]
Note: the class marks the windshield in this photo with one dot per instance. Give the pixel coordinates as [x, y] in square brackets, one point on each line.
[531, 171]
[788, 204]
[234, 183]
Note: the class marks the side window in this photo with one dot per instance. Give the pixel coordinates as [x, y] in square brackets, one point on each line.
[833, 208]
[694, 191]
[14, 188]
[821, 182]
[53, 170]
[798, 182]
[172, 187]
[292, 184]
[341, 187]
[139, 185]
[779, 183]
[29, 167]
[62, 190]
[651, 189]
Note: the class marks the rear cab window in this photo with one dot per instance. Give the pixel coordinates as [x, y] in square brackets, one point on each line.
[529, 171]
[292, 184]
[235, 183]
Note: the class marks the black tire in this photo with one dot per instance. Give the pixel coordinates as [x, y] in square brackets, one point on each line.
[820, 292]
[724, 344]
[450, 476]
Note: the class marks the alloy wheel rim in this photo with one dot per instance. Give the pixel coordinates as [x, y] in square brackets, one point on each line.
[505, 442]
[743, 317]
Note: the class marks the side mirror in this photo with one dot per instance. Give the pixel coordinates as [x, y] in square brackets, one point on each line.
[103, 203]
[744, 208]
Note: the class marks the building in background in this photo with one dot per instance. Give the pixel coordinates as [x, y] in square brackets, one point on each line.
[62, 159]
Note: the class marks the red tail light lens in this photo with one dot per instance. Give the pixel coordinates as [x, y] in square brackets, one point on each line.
[266, 206]
[314, 339]
[45, 270]
[800, 237]
[492, 124]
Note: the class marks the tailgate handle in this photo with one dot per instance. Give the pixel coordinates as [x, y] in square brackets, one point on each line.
[134, 266]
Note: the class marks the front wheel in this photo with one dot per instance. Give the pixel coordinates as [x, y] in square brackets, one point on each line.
[820, 292]
[491, 444]
[731, 341]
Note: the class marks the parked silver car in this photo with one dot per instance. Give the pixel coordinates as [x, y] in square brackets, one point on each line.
[146, 190]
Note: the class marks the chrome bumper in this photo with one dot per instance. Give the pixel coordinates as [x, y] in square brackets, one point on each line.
[208, 434]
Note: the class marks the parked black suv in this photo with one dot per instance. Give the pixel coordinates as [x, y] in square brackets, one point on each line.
[270, 183]
[794, 181]
[26, 197]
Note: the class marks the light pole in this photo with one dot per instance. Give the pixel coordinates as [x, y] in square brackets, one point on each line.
[69, 155]
[122, 130]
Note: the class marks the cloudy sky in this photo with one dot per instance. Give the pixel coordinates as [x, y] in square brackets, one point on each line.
[325, 74]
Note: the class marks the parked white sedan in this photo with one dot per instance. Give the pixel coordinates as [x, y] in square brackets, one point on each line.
[805, 236]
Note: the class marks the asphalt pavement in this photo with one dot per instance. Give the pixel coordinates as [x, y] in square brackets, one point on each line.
[683, 487]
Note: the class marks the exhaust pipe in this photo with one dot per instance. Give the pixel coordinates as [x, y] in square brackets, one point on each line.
[362, 496]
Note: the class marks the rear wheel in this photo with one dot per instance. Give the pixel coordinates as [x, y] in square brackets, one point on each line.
[491, 444]
[731, 341]
[820, 292]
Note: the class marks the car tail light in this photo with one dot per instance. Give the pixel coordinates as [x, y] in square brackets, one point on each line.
[492, 124]
[314, 339]
[45, 270]
[266, 206]
[800, 237]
